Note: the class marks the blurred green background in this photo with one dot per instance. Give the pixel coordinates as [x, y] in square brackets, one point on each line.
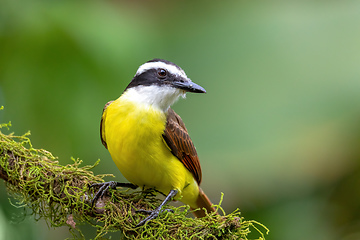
[278, 131]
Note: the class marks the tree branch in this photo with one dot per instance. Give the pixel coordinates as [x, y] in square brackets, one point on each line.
[61, 196]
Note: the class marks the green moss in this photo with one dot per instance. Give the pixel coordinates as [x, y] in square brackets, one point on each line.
[61, 196]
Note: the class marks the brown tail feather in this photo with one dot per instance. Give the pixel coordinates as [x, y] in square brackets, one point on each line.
[203, 202]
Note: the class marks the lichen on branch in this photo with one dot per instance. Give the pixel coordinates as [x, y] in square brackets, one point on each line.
[61, 195]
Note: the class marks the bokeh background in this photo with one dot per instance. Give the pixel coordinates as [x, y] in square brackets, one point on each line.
[278, 131]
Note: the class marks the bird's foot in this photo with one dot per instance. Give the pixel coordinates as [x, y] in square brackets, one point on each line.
[152, 214]
[102, 190]
[105, 186]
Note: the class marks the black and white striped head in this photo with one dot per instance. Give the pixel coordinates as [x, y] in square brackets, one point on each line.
[160, 83]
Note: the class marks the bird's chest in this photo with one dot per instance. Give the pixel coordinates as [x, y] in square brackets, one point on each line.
[134, 139]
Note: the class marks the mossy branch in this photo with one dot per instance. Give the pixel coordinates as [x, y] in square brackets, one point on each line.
[60, 195]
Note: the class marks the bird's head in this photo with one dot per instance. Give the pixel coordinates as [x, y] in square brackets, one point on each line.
[160, 83]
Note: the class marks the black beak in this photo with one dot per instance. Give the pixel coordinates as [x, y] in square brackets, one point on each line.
[188, 86]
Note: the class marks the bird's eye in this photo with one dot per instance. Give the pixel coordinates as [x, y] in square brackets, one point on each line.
[162, 73]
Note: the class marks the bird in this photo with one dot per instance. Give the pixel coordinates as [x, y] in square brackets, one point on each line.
[149, 142]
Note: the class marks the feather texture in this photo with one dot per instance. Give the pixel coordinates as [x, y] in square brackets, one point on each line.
[179, 141]
[102, 128]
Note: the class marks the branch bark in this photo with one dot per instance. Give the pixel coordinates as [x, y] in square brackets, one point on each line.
[61, 196]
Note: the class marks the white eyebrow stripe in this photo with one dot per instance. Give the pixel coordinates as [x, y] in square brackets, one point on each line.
[155, 65]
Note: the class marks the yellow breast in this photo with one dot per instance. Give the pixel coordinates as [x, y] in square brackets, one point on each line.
[133, 133]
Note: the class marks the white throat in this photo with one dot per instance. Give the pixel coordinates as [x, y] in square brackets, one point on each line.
[160, 97]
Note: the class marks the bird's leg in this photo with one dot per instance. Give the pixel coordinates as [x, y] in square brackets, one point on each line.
[106, 185]
[154, 213]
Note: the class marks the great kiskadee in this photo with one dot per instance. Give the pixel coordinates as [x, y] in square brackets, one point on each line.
[148, 141]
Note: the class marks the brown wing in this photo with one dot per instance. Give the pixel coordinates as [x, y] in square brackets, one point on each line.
[102, 128]
[178, 140]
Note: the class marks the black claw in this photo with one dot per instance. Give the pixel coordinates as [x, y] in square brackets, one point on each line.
[102, 190]
[153, 214]
[157, 211]
[105, 186]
